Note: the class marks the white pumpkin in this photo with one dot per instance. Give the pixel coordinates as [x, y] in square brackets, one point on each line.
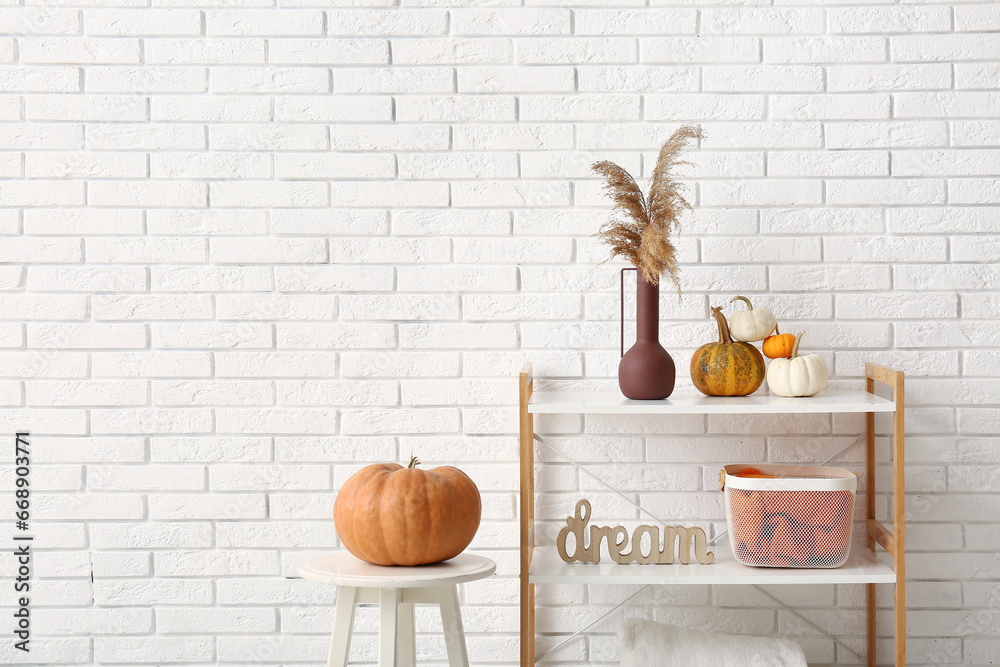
[751, 324]
[798, 376]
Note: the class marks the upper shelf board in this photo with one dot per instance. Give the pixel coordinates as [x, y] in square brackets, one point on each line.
[575, 402]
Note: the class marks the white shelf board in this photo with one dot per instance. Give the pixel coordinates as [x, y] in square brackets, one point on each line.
[576, 402]
[861, 568]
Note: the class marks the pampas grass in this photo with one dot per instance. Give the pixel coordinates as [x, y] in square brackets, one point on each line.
[639, 229]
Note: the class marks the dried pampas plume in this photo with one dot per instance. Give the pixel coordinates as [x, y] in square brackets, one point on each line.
[640, 227]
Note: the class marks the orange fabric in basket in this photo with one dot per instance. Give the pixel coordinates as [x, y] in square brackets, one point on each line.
[749, 510]
[753, 472]
[790, 528]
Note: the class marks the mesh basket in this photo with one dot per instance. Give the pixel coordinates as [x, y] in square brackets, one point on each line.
[801, 519]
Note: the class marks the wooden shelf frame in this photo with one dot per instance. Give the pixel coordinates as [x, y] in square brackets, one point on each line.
[893, 541]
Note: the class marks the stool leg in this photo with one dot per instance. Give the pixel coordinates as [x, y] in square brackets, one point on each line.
[451, 619]
[343, 619]
[406, 646]
[388, 603]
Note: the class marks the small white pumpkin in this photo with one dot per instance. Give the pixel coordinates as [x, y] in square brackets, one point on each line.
[798, 376]
[751, 324]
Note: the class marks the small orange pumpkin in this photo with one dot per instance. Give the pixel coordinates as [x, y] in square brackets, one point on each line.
[726, 368]
[779, 345]
[390, 515]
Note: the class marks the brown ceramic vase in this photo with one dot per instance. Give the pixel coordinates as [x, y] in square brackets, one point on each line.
[646, 371]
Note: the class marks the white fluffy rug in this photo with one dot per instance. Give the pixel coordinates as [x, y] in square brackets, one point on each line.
[651, 644]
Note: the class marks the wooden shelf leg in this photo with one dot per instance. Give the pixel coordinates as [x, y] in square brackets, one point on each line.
[894, 379]
[872, 655]
[899, 519]
[527, 511]
[870, 514]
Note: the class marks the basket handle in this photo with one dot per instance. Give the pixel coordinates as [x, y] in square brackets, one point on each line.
[722, 479]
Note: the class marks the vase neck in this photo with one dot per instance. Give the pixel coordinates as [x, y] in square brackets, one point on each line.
[647, 310]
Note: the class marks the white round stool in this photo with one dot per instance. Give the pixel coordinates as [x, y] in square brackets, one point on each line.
[396, 590]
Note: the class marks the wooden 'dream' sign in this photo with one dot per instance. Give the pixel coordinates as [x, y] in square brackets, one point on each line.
[660, 553]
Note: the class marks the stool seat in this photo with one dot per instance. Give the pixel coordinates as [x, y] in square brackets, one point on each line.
[343, 569]
[396, 589]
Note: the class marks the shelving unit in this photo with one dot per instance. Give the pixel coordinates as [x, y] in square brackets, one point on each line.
[863, 567]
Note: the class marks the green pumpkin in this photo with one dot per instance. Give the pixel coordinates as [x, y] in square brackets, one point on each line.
[726, 368]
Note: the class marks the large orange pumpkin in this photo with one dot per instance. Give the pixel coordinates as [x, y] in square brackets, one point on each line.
[390, 515]
[726, 368]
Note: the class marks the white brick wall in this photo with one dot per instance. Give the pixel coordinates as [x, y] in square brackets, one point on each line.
[249, 249]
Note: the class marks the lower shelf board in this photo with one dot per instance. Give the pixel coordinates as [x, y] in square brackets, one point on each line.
[861, 568]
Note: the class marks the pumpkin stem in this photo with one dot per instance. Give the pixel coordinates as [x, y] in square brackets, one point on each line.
[795, 348]
[742, 298]
[776, 332]
[724, 335]
[414, 462]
